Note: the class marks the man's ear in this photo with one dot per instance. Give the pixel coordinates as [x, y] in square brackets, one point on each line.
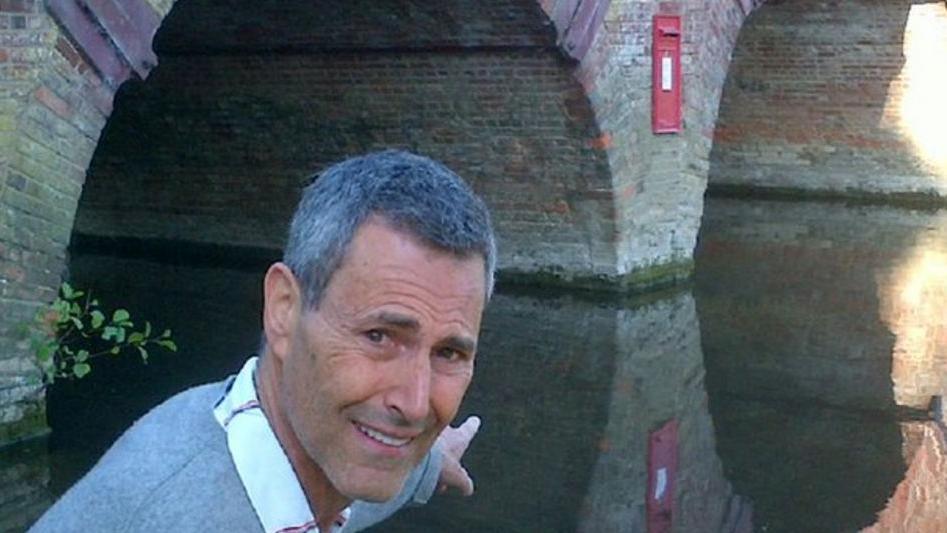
[282, 305]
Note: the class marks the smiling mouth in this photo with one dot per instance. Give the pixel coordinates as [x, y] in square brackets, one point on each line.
[378, 436]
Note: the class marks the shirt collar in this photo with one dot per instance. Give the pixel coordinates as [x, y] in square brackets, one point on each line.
[261, 463]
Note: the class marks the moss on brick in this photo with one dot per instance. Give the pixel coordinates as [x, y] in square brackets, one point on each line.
[32, 424]
[640, 280]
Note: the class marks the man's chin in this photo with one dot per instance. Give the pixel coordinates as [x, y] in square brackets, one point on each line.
[374, 487]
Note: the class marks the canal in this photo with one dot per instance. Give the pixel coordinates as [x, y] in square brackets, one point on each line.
[798, 371]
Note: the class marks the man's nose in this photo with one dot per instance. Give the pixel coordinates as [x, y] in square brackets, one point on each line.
[410, 393]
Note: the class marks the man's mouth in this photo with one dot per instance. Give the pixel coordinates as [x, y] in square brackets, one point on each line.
[387, 440]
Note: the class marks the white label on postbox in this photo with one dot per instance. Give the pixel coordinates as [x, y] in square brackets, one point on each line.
[661, 483]
[666, 73]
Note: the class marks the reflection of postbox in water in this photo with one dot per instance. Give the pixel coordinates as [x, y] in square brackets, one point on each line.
[666, 74]
[662, 477]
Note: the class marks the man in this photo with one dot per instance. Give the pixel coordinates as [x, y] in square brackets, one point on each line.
[370, 332]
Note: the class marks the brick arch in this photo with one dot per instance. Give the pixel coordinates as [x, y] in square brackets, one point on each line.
[483, 88]
[624, 213]
[822, 101]
[71, 59]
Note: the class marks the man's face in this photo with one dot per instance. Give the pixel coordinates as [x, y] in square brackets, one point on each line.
[375, 374]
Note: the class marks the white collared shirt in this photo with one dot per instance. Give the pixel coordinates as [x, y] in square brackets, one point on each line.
[261, 463]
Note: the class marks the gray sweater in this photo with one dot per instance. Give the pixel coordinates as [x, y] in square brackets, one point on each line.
[172, 471]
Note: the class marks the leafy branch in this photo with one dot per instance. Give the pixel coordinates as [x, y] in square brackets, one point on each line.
[69, 333]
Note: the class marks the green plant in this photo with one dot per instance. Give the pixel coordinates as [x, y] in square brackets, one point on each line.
[69, 333]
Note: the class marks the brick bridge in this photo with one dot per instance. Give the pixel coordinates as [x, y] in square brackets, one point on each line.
[194, 126]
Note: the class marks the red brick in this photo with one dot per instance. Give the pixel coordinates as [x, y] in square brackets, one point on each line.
[17, 6]
[69, 52]
[53, 102]
[602, 142]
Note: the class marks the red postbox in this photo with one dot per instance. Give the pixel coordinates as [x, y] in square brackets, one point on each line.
[662, 478]
[666, 81]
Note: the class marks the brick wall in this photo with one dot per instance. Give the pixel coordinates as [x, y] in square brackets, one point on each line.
[578, 192]
[214, 148]
[919, 503]
[351, 24]
[53, 108]
[837, 96]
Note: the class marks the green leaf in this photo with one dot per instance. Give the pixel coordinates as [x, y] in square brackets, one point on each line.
[74, 309]
[120, 315]
[136, 337]
[115, 333]
[97, 319]
[144, 354]
[77, 322]
[81, 369]
[61, 307]
[147, 332]
[115, 350]
[167, 343]
[45, 351]
[166, 334]
[82, 356]
[67, 291]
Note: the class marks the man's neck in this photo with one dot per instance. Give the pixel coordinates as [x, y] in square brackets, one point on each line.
[325, 501]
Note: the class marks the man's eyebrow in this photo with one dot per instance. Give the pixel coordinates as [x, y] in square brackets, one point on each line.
[397, 320]
[393, 319]
[461, 343]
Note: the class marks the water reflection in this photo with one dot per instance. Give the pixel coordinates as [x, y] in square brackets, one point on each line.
[824, 337]
[913, 295]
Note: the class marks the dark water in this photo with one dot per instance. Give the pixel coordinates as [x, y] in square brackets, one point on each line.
[797, 370]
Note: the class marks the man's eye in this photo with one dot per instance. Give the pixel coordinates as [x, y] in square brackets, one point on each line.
[450, 354]
[375, 336]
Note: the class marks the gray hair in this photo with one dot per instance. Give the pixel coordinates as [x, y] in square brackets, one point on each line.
[412, 193]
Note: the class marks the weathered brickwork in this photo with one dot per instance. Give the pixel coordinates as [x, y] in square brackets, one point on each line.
[919, 503]
[837, 96]
[276, 25]
[49, 122]
[214, 148]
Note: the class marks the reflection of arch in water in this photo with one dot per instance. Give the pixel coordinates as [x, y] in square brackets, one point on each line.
[809, 305]
[913, 294]
[659, 376]
[799, 365]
